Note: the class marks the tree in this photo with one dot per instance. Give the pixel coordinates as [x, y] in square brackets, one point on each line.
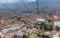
[57, 28]
[50, 20]
[24, 36]
[18, 19]
[45, 36]
[41, 35]
[24, 21]
[48, 27]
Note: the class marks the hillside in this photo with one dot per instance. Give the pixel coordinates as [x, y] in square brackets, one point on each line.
[45, 6]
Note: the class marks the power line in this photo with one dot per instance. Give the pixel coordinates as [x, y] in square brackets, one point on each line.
[13, 10]
[25, 5]
[7, 7]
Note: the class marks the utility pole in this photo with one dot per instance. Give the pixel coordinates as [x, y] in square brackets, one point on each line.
[37, 8]
[37, 13]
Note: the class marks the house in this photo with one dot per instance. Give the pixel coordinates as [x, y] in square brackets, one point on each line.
[57, 24]
[20, 33]
[56, 35]
[40, 23]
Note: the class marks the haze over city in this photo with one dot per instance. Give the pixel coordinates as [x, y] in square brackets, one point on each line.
[14, 1]
[29, 18]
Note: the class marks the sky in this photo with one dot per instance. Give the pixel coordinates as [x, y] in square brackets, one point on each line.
[13, 1]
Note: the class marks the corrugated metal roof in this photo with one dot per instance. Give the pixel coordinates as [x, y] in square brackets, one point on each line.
[56, 36]
[40, 19]
[57, 24]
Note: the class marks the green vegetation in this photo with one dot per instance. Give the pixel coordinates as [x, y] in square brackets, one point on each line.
[24, 36]
[57, 28]
[50, 20]
[24, 21]
[48, 27]
[42, 35]
[18, 19]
